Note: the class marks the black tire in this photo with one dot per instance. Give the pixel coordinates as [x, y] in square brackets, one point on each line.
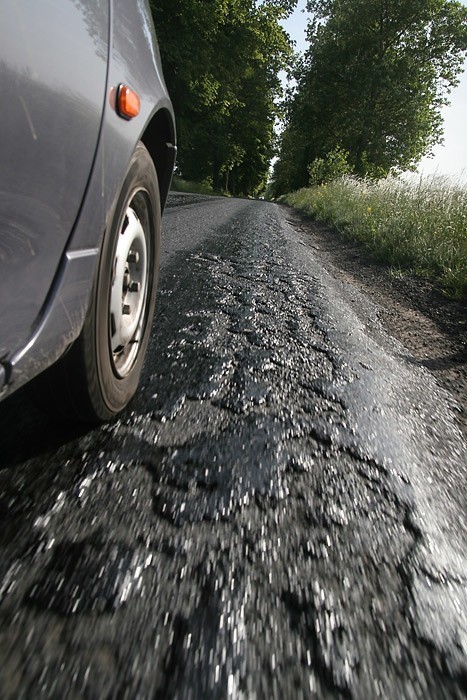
[102, 369]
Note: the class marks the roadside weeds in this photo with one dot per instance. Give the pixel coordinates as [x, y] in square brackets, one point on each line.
[419, 226]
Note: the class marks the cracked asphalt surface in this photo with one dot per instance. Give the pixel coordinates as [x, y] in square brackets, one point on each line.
[281, 513]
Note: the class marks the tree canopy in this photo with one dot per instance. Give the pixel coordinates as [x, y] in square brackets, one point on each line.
[371, 85]
[221, 63]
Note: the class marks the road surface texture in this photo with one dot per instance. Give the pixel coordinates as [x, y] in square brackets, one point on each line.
[280, 514]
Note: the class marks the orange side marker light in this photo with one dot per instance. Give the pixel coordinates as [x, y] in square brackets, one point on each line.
[128, 102]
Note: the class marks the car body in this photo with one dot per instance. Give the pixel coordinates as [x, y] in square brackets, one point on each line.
[65, 150]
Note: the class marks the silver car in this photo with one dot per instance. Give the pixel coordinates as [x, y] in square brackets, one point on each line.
[87, 149]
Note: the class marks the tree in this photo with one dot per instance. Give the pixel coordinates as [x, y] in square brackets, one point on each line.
[372, 83]
[221, 62]
[324, 170]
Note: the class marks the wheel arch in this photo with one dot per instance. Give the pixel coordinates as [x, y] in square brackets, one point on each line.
[159, 139]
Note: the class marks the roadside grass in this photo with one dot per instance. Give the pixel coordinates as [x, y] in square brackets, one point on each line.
[179, 185]
[419, 226]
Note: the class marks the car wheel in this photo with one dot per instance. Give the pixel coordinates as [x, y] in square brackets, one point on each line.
[102, 369]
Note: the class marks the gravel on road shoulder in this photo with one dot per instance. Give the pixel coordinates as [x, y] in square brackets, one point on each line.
[431, 327]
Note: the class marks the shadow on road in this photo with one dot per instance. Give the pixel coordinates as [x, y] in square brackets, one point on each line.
[26, 432]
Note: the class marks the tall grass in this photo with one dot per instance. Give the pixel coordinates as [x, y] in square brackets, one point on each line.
[417, 225]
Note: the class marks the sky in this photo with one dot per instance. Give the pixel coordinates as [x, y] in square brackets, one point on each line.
[450, 158]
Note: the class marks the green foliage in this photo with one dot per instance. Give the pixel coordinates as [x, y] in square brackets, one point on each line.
[180, 185]
[221, 62]
[420, 226]
[372, 83]
[324, 170]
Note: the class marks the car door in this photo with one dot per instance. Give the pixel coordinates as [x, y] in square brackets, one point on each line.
[53, 67]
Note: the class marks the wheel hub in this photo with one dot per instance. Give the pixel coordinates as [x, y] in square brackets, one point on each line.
[128, 292]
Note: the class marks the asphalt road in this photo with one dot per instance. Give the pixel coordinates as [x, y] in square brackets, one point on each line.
[280, 514]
